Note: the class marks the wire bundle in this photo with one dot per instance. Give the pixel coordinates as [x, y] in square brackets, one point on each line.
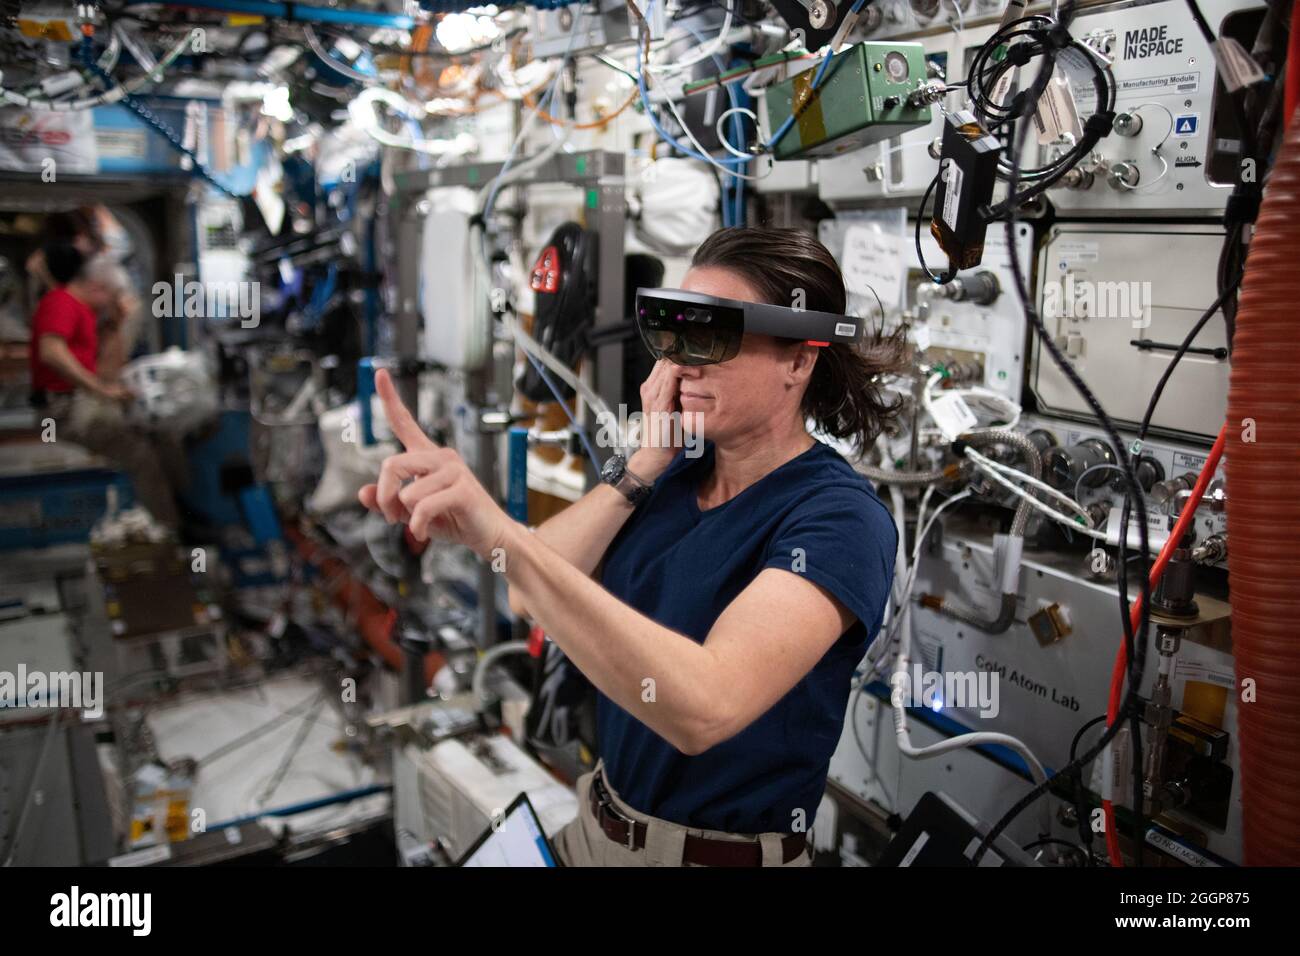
[1027, 39]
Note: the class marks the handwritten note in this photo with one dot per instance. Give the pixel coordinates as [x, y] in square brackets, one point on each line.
[873, 261]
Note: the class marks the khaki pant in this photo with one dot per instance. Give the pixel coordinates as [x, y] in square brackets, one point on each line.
[99, 425]
[583, 843]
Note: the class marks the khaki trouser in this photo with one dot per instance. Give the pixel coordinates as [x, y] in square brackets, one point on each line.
[99, 425]
[583, 843]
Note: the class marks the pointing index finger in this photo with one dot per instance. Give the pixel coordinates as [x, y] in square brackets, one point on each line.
[401, 421]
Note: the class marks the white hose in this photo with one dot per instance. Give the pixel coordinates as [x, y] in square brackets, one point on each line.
[363, 115]
[116, 94]
[701, 54]
[902, 662]
[1085, 529]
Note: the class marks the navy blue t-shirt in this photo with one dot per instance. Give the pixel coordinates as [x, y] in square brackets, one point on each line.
[681, 567]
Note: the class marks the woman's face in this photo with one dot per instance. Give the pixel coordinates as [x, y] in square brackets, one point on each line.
[764, 382]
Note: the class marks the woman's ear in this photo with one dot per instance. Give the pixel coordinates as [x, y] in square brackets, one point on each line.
[804, 360]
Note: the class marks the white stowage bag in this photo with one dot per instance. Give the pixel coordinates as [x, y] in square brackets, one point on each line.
[175, 391]
[452, 299]
[679, 201]
[349, 463]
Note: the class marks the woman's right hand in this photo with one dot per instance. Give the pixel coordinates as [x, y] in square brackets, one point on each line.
[660, 403]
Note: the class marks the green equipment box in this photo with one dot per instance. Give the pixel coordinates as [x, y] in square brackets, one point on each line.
[863, 99]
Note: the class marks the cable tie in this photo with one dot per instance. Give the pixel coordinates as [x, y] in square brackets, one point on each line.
[1020, 54]
[1058, 37]
[1243, 204]
[1100, 123]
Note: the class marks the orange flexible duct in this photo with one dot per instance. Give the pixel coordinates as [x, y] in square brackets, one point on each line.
[1264, 520]
[374, 620]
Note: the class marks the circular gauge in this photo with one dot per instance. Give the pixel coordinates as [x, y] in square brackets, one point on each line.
[896, 67]
[925, 9]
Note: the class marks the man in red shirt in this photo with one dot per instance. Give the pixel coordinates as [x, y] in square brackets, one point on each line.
[64, 355]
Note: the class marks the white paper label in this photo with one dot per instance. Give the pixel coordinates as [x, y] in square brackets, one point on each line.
[953, 416]
[952, 195]
[1237, 67]
[1003, 88]
[873, 262]
[1204, 673]
[1157, 527]
[1071, 251]
[915, 849]
[1057, 114]
[1113, 774]
[121, 143]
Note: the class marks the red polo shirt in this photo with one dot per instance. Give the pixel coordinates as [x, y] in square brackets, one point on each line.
[63, 314]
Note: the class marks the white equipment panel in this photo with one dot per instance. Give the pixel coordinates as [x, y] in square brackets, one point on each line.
[1165, 75]
[995, 333]
[1102, 288]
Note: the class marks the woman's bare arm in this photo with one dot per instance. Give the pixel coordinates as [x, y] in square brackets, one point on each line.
[693, 695]
[582, 532]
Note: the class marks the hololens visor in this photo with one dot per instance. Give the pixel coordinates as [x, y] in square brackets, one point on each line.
[690, 328]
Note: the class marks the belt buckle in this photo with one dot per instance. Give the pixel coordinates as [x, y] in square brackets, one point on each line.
[603, 798]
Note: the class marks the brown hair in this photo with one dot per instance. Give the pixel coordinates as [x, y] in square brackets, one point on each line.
[784, 266]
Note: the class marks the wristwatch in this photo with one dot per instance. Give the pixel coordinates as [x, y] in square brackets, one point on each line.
[616, 474]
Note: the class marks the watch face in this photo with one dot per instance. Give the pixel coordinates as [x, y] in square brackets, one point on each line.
[613, 468]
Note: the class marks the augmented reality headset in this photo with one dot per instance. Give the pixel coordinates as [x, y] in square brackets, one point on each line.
[689, 328]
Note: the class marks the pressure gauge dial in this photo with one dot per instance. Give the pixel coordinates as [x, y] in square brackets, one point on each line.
[896, 67]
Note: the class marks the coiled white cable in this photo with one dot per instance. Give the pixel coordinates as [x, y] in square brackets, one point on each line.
[701, 53]
[995, 469]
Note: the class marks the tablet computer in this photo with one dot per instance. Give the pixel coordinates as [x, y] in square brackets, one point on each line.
[516, 838]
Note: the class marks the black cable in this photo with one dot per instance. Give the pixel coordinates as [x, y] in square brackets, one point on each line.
[1048, 43]
[1201, 23]
[951, 272]
[1182, 349]
[1080, 809]
[1135, 660]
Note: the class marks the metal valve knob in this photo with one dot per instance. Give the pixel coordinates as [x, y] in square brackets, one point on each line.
[1128, 124]
[1124, 175]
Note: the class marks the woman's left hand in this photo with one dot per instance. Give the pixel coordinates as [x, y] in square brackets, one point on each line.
[443, 498]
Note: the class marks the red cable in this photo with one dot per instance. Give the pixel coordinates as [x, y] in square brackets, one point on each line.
[1292, 66]
[1135, 616]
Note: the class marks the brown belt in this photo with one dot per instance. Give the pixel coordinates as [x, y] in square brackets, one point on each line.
[701, 851]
